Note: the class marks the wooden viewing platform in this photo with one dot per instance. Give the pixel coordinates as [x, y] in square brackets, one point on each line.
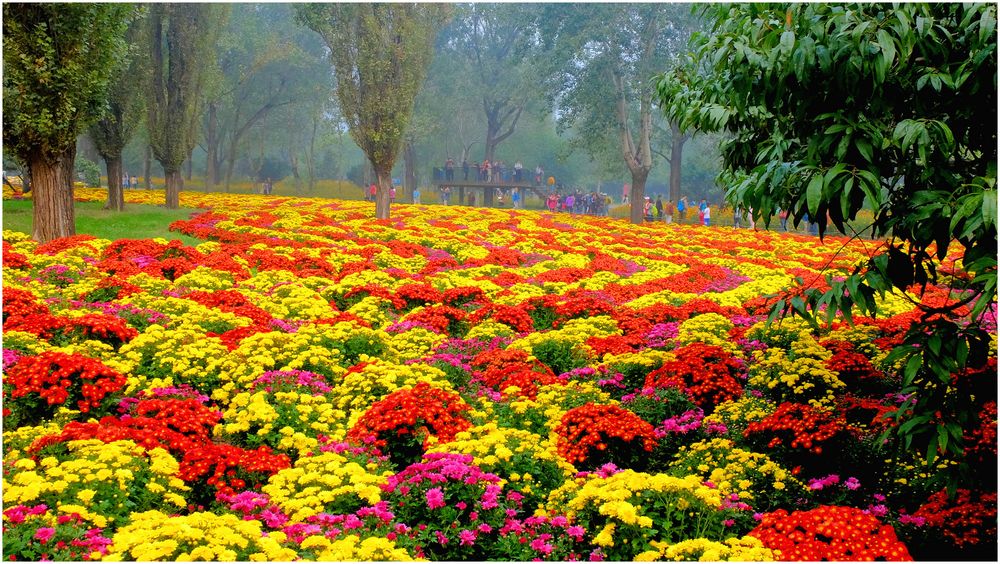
[489, 188]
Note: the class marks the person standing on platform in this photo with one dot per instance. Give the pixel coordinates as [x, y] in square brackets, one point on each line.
[465, 169]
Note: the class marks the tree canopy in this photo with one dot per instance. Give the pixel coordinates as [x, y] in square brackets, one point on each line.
[834, 109]
[58, 60]
[380, 55]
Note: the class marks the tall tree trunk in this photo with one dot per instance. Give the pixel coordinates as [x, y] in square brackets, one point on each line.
[116, 195]
[311, 165]
[230, 165]
[52, 217]
[677, 141]
[637, 195]
[410, 164]
[147, 167]
[211, 148]
[190, 165]
[174, 183]
[293, 161]
[384, 178]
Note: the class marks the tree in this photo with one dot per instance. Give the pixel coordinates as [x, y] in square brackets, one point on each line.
[58, 60]
[608, 54]
[126, 105]
[833, 109]
[182, 37]
[494, 47]
[266, 64]
[380, 55]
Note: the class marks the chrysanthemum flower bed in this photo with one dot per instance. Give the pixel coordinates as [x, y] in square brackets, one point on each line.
[457, 384]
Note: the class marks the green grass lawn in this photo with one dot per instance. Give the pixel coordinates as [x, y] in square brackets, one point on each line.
[136, 222]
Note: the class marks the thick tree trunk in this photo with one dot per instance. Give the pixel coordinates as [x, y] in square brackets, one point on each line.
[637, 195]
[147, 167]
[116, 196]
[677, 141]
[384, 179]
[174, 183]
[52, 217]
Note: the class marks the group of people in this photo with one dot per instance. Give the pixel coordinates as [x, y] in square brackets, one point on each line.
[660, 211]
[577, 202]
[495, 171]
[129, 181]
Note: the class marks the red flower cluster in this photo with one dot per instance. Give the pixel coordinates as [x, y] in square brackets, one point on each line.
[852, 367]
[615, 344]
[20, 303]
[443, 319]
[585, 432]
[105, 328]
[12, 259]
[583, 307]
[799, 426]
[231, 301]
[514, 317]
[229, 468]
[415, 412]
[499, 369]
[830, 533]
[177, 425]
[418, 294]
[59, 378]
[707, 374]
[458, 297]
[967, 520]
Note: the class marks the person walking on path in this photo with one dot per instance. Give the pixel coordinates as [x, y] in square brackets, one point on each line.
[416, 195]
[707, 213]
[371, 192]
[736, 217]
[659, 207]
[515, 199]
[647, 210]
[682, 208]
[449, 169]
[668, 210]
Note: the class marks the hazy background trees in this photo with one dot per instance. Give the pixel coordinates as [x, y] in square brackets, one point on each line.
[534, 83]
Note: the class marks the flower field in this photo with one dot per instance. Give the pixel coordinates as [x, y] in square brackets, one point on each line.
[459, 384]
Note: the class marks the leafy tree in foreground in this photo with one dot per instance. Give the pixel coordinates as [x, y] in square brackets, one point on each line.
[182, 39]
[834, 109]
[126, 103]
[380, 55]
[57, 62]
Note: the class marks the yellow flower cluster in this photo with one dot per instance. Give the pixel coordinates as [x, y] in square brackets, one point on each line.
[614, 495]
[734, 470]
[105, 478]
[796, 375]
[325, 482]
[182, 354]
[359, 390]
[708, 329]
[743, 549]
[738, 413]
[153, 536]
[352, 548]
[260, 414]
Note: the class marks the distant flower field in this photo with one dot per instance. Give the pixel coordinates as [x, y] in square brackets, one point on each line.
[457, 384]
